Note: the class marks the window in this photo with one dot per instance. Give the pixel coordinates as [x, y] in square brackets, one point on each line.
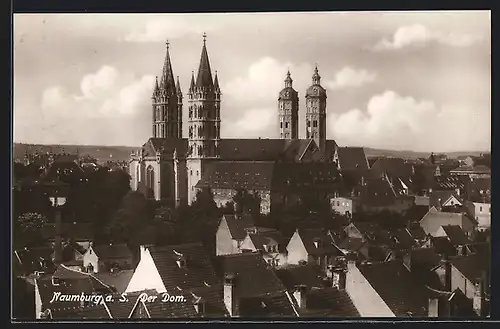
[480, 209]
[197, 173]
[315, 123]
[286, 124]
[281, 124]
[308, 123]
[191, 173]
[338, 203]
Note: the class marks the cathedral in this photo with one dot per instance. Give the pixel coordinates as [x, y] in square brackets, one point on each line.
[168, 166]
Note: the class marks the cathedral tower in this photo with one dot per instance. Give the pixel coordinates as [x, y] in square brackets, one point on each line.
[167, 104]
[204, 121]
[288, 107]
[316, 111]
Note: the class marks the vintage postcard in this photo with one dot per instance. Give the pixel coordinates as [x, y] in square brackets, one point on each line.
[319, 165]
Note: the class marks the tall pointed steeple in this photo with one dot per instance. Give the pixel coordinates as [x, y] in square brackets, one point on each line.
[192, 85]
[316, 78]
[156, 88]
[178, 87]
[204, 78]
[216, 82]
[288, 80]
[167, 81]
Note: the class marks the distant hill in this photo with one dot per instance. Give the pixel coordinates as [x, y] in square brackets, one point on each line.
[122, 153]
[101, 153]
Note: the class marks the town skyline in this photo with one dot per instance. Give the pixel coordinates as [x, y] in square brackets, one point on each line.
[102, 94]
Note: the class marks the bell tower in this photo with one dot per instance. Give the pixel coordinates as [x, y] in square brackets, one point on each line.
[166, 103]
[204, 99]
[288, 110]
[316, 111]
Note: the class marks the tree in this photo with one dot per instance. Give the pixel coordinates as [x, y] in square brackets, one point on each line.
[248, 203]
[28, 229]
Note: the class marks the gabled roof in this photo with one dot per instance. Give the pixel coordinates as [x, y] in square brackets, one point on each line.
[309, 275]
[439, 198]
[394, 167]
[403, 240]
[275, 304]
[29, 260]
[238, 225]
[472, 266]
[118, 280]
[480, 169]
[377, 192]
[440, 218]
[328, 302]
[326, 245]
[112, 251]
[270, 237]
[197, 272]
[456, 235]
[165, 146]
[89, 312]
[253, 276]
[418, 233]
[397, 287]
[443, 246]
[351, 244]
[352, 158]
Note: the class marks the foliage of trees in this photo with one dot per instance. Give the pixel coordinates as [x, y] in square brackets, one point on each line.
[28, 229]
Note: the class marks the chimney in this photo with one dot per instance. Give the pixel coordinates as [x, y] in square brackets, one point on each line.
[447, 273]
[433, 309]
[300, 296]
[58, 237]
[479, 299]
[230, 299]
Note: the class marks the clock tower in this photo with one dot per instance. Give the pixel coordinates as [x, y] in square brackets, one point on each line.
[288, 110]
[316, 111]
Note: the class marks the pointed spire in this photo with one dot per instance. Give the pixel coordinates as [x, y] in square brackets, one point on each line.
[167, 79]
[204, 78]
[316, 77]
[288, 80]
[191, 85]
[216, 82]
[178, 87]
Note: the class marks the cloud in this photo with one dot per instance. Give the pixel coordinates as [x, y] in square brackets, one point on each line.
[104, 79]
[419, 35]
[172, 27]
[350, 77]
[396, 122]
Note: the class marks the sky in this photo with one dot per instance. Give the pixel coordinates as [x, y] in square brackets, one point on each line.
[416, 81]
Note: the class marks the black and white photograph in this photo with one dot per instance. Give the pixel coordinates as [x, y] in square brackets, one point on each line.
[257, 165]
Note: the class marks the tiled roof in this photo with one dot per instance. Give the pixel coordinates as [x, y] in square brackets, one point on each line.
[456, 235]
[238, 225]
[238, 175]
[260, 149]
[394, 167]
[69, 282]
[438, 198]
[326, 244]
[197, 272]
[351, 244]
[29, 260]
[397, 287]
[308, 275]
[352, 158]
[422, 201]
[403, 240]
[119, 280]
[371, 231]
[443, 246]
[472, 169]
[253, 276]
[269, 175]
[260, 239]
[473, 265]
[122, 309]
[328, 153]
[328, 302]
[275, 304]
[418, 233]
[377, 192]
[112, 251]
[440, 218]
[165, 146]
[90, 312]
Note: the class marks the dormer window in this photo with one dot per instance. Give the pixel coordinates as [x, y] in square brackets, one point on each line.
[181, 262]
[199, 306]
[317, 243]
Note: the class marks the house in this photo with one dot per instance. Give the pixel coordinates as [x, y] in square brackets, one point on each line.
[313, 246]
[66, 282]
[317, 295]
[385, 289]
[30, 260]
[270, 243]
[231, 232]
[478, 190]
[456, 236]
[471, 275]
[351, 159]
[274, 184]
[479, 171]
[251, 288]
[378, 194]
[107, 258]
[465, 160]
[481, 212]
[345, 206]
[397, 170]
[118, 280]
[443, 199]
[173, 268]
[434, 219]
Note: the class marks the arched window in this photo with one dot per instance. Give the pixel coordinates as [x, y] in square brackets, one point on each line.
[137, 174]
[199, 131]
[190, 132]
[200, 150]
[150, 177]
